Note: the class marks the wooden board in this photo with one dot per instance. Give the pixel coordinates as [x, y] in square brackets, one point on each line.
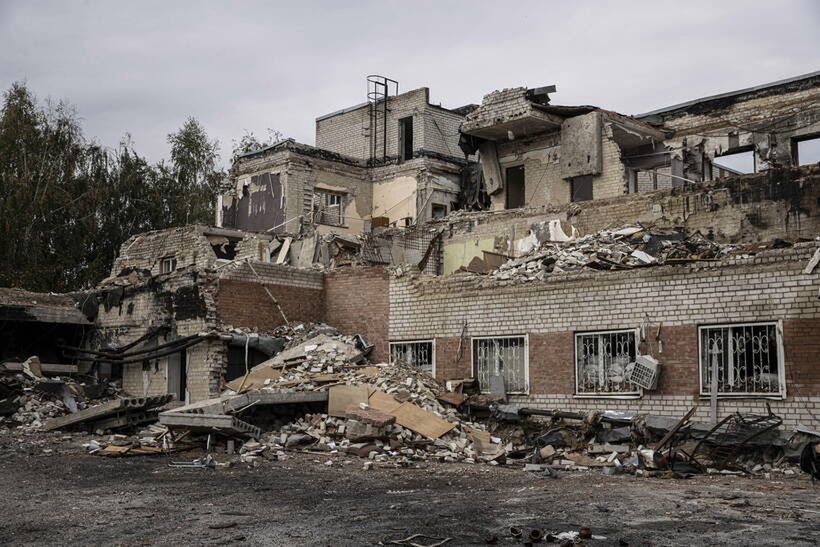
[383, 401]
[254, 379]
[341, 397]
[415, 418]
[454, 399]
[112, 450]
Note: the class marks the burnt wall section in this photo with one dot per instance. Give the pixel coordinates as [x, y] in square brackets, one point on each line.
[770, 286]
[241, 299]
[261, 204]
[356, 302]
[179, 305]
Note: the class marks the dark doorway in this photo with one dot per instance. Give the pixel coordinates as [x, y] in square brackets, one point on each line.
[177, 375]
[406, 138]
[236, 361]
[581, 188]
[515, 190]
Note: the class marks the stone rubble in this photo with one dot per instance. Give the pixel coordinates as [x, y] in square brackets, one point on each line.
[625, 248]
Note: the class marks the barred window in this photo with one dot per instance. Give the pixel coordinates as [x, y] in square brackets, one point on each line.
[747, 359]
[600, 362]
[506, 356]
[419, 353]
[330, 208]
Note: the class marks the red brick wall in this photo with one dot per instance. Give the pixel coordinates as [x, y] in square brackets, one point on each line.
[246, 304]
[356, 302]
[447, 365]
[801, 344]
[552, 359]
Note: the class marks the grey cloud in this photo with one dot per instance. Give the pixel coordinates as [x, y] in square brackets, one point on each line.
[142, 67]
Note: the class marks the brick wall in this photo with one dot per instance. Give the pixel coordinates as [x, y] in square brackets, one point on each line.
[768, 287]
[144, 251]
[434, 129]
[241, 300]
[355, 302]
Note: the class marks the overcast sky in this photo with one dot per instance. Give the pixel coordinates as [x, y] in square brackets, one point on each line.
[143, 67]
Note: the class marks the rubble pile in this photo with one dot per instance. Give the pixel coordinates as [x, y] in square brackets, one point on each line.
[154, 439]
[366, 431]
[647, 445]
[29, 400]
[382, 412]
[625, 248]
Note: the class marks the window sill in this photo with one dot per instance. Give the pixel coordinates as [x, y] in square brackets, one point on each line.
[620, 396]
[730, 396]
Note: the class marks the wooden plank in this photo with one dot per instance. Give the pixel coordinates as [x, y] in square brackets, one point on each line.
[341, 397]
[254, 379]
[112, 450]
[383, 401]
[415, 418]
[454, 399]
[87, 414]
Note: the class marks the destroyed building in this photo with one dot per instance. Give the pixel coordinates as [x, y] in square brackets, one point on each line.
[391, 160]
[554, 247]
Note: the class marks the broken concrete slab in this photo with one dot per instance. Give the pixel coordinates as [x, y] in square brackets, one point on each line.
[222, 423]
[105, 410]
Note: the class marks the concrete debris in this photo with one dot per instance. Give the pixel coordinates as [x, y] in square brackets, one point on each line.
[622, 249]
[30, 402]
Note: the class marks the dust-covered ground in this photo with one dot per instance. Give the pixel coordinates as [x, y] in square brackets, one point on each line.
[51, 493]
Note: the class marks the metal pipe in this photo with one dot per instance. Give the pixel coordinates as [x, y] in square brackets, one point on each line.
[117, 355]
[145, 357]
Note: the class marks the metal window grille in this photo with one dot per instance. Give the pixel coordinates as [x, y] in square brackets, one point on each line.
[505, 356]
[747, 358]
[601, 359]
[419, 354]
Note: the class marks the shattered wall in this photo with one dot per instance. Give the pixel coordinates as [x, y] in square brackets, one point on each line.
[145, 251]
[241, 299]
[781, 203]
[301, 171]
[547, 169]
[411, 189]
[182, 302]
[767, 117]
[768, 287]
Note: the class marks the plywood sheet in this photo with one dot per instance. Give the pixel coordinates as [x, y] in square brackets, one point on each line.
[341, 397]
[417, 419]
[383, 401]
[254, 379]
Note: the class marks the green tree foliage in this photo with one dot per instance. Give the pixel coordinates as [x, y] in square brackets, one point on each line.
[67, 204]
[250, 143]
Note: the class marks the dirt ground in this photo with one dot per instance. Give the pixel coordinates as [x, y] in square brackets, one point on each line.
[51, 493]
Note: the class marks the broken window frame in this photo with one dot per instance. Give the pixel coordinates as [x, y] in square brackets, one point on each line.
[724, 171]
[574, 192]
[517, 167]
[603, 367]
[795, 147]
[736, 374]
[413, 346]
[484, 385]
[324, 213]
[442, 208]
[171, 261]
